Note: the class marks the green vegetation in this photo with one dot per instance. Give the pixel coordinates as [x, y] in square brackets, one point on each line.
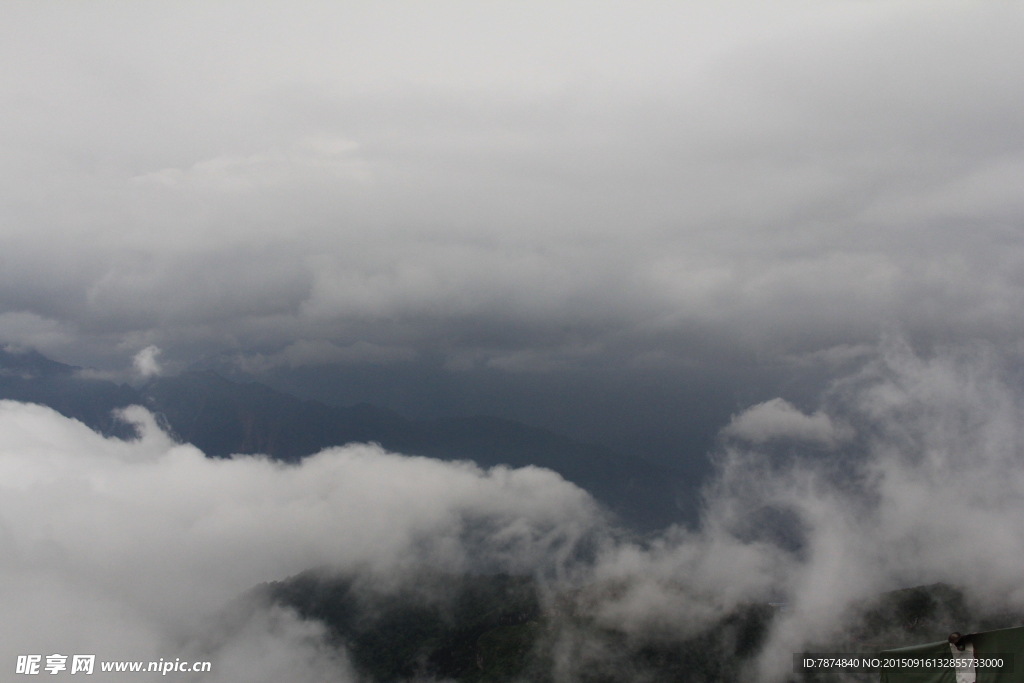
[494, 628]
[498, 628]
[468, 628]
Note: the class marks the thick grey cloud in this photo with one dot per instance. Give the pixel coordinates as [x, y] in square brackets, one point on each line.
[523, 187]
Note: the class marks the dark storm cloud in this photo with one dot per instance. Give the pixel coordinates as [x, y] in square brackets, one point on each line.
[523, 187]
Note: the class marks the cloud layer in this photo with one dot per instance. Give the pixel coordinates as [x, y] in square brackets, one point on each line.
[128, 550]
[141, 550]
[641, 181]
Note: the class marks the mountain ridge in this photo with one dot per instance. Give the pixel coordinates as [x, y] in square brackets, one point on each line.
[222, 417]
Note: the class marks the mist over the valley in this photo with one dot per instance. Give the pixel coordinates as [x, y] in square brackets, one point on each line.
[145, 549]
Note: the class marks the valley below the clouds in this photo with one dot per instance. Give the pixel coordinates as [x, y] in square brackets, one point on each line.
[224, 418]
[239, 524]
[501, 628]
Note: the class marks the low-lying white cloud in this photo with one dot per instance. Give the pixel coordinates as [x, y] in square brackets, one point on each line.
[122, 549]
[779, 419]
[145, 362]
[140, 550]
[928, 488]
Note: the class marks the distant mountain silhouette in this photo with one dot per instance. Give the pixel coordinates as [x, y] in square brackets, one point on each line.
[31, 377]
[222, 417]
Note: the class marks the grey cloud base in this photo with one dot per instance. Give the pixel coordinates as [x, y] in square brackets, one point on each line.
[670, 185]
[503, 204]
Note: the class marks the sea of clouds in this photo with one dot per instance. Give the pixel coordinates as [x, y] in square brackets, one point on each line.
[908, 472]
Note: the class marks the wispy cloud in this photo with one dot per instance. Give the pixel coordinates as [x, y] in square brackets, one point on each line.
[779, 419]
[146, 363]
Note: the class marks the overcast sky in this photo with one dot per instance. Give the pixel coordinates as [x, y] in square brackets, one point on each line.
[610, 218]
[522, 187]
